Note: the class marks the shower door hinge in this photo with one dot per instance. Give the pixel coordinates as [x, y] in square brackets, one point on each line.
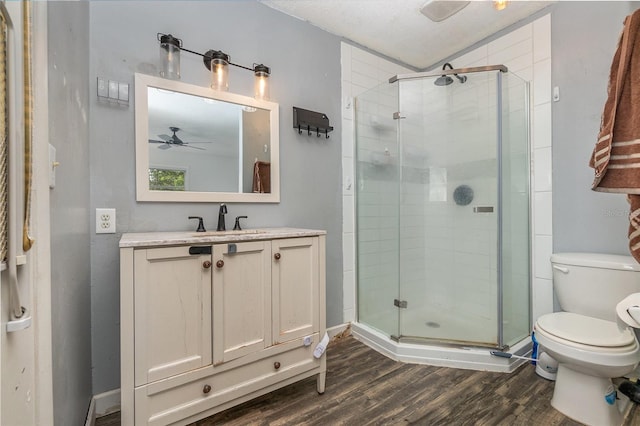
[400, 303]
[397, 116]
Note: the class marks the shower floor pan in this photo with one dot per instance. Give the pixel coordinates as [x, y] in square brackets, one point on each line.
[441, 353]
[442, 324]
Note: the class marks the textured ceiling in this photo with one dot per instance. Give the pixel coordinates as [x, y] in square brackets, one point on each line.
[397, 29]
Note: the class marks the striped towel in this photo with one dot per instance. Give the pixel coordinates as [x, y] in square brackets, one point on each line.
[616, 156]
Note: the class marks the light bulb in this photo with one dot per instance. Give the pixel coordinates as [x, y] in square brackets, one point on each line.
[500, 4]
[261, 83]
[170, 56]
[219, 71]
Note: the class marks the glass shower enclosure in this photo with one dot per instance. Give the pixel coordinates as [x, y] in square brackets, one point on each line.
[442, 207]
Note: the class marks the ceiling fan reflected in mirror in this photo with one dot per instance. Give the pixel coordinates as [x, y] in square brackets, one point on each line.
[173, 140]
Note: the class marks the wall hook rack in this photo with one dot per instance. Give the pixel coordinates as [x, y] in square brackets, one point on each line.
[311, 121]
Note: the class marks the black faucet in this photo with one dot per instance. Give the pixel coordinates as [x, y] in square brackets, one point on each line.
[200, 224]
[237, 227]
[221, 213]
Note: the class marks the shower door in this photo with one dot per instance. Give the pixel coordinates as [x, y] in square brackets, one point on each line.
[377, 207]
[449, 208]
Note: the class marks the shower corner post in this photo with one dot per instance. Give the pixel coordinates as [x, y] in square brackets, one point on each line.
[528, 115]
[499, 266]
[515, 273]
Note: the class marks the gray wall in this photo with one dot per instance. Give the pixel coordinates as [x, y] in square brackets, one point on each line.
[68, 44]
[305, 64]
[584, 36]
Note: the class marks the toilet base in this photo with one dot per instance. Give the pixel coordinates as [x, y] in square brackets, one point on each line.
[582, 398]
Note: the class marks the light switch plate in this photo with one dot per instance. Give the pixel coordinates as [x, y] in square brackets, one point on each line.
[123, 92]
[103, 89]
[113, 89]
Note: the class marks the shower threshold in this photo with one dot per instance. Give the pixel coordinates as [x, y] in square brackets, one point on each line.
[439, 353]
[449, 343]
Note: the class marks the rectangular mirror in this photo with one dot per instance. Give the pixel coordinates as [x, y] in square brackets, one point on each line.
[194, 144]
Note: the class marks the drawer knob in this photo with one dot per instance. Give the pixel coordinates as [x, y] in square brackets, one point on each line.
[206, 264]
[277, 256]
[206, 389]
[276, 365]
[220, 263]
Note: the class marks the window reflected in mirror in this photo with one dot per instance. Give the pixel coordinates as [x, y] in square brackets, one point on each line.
[166, 179]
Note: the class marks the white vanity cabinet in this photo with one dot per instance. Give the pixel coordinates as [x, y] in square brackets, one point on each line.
[210, 321]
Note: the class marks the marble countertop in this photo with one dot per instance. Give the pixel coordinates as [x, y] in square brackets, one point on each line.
[160, 238]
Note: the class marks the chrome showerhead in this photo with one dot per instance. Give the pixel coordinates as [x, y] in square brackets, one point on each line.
[443, 80]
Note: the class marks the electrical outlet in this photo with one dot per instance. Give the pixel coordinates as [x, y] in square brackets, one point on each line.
[105, 221]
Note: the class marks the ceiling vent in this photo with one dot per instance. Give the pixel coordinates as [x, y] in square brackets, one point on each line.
[439, 10]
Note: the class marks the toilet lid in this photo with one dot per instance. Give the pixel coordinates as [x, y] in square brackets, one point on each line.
[585, 330]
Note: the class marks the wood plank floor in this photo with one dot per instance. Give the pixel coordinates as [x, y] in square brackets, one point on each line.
[366, 388]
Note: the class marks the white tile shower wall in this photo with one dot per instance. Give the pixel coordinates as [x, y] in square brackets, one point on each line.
[526, 52]
[542, 294]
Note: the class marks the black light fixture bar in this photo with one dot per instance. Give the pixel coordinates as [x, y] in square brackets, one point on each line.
[209, 55]
[216, 61]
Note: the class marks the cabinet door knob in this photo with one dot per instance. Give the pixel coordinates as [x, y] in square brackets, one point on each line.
[206, 389]
[277, 256]
[276, 365]
[220, 263]
[206, 264]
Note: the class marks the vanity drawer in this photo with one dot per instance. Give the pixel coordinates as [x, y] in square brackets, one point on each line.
[163, 403]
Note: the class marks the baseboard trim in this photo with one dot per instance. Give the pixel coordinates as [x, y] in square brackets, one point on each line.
[91, 414]
[103, 404]
[107, 402]
[339, 330]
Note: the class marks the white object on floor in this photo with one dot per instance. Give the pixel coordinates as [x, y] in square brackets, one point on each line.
[322, 346]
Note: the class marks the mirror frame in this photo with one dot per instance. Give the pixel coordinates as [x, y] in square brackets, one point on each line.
[143, 193]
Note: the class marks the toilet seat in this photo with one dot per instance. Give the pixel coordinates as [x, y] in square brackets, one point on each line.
[585, 331]
[561, 342]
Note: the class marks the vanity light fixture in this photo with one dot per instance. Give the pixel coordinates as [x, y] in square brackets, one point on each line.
[216, 61]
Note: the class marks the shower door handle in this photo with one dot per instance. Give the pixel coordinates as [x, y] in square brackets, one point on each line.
[483, 209]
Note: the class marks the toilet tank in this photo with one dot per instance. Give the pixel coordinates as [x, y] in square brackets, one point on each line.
[592, 284]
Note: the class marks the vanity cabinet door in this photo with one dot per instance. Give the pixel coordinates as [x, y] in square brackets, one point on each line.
[172, 312]
[295, 288]
[241, 299]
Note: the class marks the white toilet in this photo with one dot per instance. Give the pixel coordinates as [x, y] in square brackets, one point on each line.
[586, 340]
